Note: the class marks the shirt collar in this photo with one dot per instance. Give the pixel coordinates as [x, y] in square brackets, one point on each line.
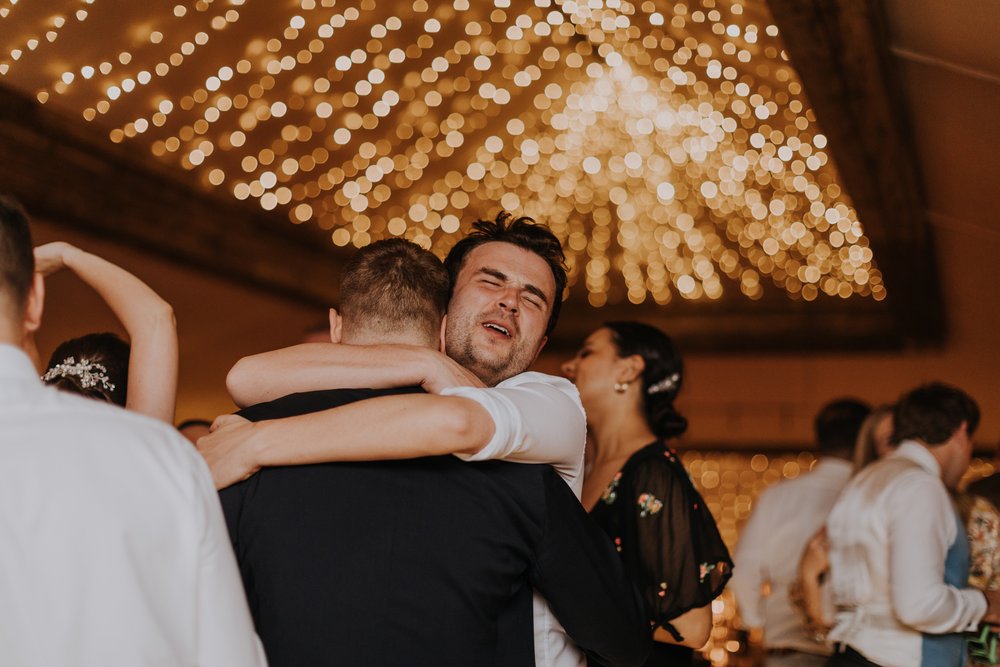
[914, 451]
[15, 364]
[834, 466]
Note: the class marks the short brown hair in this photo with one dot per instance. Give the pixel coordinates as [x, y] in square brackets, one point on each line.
[17, 258]
[524, 233]
[932, 413]
[392, 284]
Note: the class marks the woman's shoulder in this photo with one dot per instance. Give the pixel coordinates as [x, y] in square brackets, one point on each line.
[656, 458]
[657, 469]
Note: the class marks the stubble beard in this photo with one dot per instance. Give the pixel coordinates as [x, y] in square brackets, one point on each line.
[491, 369]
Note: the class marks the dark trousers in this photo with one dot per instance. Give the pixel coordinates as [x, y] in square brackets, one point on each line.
[845, 656]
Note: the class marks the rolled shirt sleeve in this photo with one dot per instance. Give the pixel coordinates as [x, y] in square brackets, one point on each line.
[922, 526]
[538, 418]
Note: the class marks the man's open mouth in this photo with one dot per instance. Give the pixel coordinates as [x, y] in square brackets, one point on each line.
[497, 327]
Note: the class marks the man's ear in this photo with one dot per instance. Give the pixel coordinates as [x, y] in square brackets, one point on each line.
[444, 328]
[336, 326]
[541, 346]
[34, 305]
[963, 430]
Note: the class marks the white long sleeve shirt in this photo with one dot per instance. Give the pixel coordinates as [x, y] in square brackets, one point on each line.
[889, 536]
[538, 418]
[767, 557]
[113, 548]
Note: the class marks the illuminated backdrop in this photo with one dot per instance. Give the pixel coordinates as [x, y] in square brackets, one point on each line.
[669, 145]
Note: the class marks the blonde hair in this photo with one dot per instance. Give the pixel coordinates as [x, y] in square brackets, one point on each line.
[865, 450]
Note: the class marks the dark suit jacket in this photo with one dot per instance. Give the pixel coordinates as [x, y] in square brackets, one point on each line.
[422, 562]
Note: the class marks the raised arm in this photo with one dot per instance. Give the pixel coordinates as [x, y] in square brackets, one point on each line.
[387, 427]
[148, 319]
[313, 366]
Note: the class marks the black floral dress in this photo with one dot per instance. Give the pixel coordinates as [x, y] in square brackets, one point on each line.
[668, 541]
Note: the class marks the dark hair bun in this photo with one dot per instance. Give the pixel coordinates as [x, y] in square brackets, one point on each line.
[662, 376]
[663, 418]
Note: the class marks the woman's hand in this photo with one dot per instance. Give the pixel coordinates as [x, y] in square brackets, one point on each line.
[806, 594]
[228, 450]
[51, 257]
[444, 372]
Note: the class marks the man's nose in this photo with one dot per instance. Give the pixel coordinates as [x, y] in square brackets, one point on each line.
[508, 301]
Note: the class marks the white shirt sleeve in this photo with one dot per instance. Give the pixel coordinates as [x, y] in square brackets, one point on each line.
[538, 418]
[922, 526]
[225, 633]
[750, 562]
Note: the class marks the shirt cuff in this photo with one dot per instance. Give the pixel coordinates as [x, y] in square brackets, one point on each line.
[977, 600]
[491, 401]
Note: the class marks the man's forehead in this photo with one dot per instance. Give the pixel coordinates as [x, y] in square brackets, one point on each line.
[518, 264]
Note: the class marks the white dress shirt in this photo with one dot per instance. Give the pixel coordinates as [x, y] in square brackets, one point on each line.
[113, 548]
[889, 535]
[786, 516]
[538, 418]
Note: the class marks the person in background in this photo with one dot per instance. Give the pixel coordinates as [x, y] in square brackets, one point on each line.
[771, 543]
[988, 487]
[93, 365]
[115, 550]
[899, 556]
[874, 438]
[807, 594]
[628, 375]
[192, 429]
[85, 365]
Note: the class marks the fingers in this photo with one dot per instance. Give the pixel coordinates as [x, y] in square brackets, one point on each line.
[225, 452]
[225, 420]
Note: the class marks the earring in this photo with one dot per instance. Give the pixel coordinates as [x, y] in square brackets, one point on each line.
[621, 387]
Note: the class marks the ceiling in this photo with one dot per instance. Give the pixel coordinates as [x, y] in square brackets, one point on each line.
[672, 149]
[231, 300]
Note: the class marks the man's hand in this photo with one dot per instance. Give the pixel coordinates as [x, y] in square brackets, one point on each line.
[51, 257]
[443, 372]
[992, 616]
[227, 450]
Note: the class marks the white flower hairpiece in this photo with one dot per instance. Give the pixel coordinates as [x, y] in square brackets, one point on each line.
[666, 384]
[90, 373]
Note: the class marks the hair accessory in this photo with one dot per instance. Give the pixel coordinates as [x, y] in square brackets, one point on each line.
[621, 387]
[90, 373]
[666, 384]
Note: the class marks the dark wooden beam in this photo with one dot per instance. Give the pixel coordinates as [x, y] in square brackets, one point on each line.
[69, 173]
[779, 326]
[840, 49]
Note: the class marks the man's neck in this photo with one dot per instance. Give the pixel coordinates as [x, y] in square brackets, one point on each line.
[380, 338]
[10, 335]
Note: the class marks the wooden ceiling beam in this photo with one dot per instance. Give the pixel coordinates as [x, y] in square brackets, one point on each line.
[840, 49]
[67, 172]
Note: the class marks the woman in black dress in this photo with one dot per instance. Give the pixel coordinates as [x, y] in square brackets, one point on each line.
[628, 375]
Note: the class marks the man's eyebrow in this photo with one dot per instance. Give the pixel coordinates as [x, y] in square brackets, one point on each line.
[502, 277]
